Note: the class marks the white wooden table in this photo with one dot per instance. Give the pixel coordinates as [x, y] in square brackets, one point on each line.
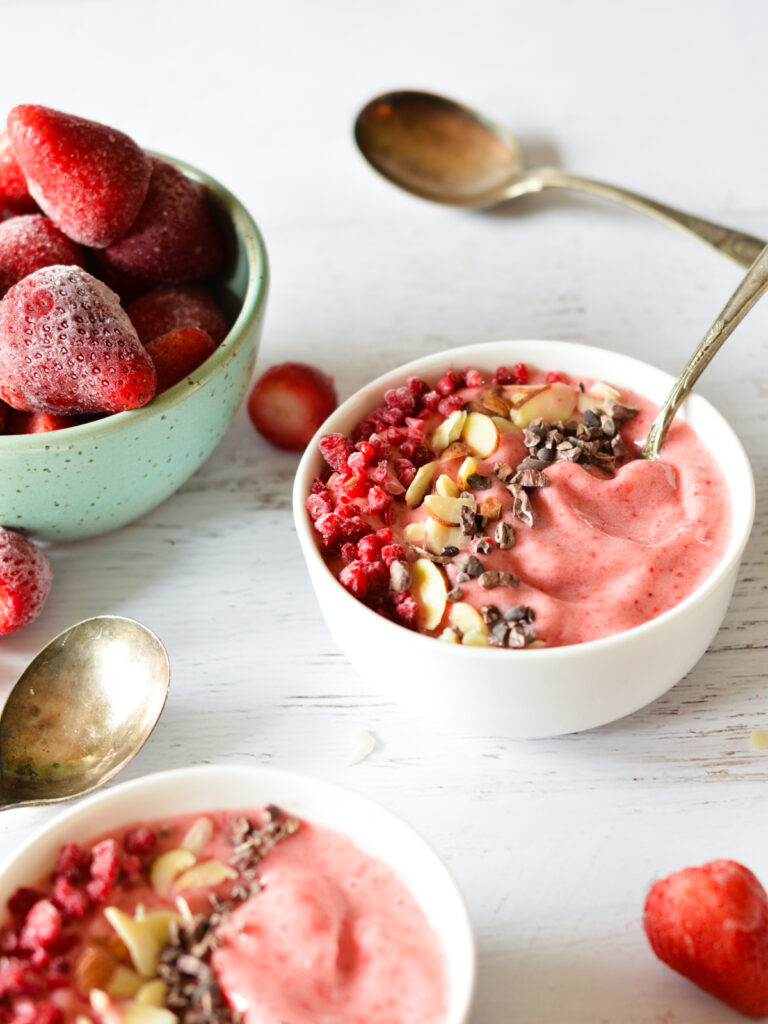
[553, 842]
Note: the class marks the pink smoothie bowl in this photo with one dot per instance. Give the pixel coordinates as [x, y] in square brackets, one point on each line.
[209, 788]
[545, 691]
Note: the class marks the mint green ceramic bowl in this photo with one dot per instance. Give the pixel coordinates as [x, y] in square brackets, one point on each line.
[98, 476]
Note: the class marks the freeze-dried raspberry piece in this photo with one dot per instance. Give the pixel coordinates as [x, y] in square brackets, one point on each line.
[74, 862]
[105, 860]
[22, 900]
[25, 581]
[177, 354]
[14, 197]
[31, 242]
[335, 449]
[71, 901]
[174, 237]
[140, 840]
[42, 926]
[91, 180]
[171, 306]
[67, 346]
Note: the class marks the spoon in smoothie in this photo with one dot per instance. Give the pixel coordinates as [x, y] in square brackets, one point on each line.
[440, 150]
[752, 287]
[81, 710]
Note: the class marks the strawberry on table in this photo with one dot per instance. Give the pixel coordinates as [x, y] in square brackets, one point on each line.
[171, 306]
[177, 354]
[67, 346]
[710, 923]
[173, 239]
[14, 197]
[289, 402]
[30, 242]
[25, 581]
[91, 180]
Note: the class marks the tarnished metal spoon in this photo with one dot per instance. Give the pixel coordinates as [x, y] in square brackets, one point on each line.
[81, 710]
[752, 287]
[443, 151]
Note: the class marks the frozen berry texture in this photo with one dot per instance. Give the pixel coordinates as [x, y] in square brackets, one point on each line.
[710, 924]
[30, 243]
[14, 197]
[67, 346]
[289, 403]
[170, 307]
[177, 354]
[91, 180]
[174, 238]
[25, 581]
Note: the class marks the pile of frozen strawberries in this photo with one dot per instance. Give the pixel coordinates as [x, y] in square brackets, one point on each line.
[103, 251]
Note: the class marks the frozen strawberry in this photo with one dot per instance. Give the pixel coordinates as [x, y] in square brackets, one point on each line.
[91, 180]
[14, 197]
[711, 925]
[19, 422]
[179, 353]
[67, 346]
[25, 581]
[30, 242]
[169, 306]
[174, 238]
[289, 402]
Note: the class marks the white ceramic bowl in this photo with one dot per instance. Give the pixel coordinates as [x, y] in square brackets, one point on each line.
[547, 691]
[187, 790]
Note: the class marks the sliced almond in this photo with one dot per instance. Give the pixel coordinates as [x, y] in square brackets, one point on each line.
[596, 397]
[446, 510]
[505, 426]
[466, 618]
[522, 393]
[490, 508]
[94, 967]
[142, 1013]
[446, 486]
[555, 402]
[152, 993]
[494, 402]
[429, 589]
[455, 450]
[414, 533]
[449, 430]
[466, 469]
[481, 434]
[208, 873]
[475, 638]
[449, 636]
[124, 983]
[142, 944]
[167, 867]
[198, 837]
[420, 484]
[438, 537]
[159, 923]
[603, 390]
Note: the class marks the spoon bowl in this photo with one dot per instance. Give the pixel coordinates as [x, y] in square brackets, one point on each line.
[81, 710]
[441, 150]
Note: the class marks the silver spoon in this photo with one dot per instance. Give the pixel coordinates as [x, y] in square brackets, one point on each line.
[736, 308]
[440, 150]
[81, 710]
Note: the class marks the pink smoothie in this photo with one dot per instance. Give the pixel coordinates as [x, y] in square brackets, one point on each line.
[333, 938]
[609, 545]
[327, 935]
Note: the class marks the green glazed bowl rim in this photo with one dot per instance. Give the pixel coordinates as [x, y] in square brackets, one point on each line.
[248, 233]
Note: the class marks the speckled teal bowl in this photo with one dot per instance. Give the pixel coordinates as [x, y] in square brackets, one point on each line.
[95, 477]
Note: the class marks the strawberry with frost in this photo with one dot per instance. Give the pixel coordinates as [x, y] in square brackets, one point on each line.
[91, 180]
[31, 242]
[25, 581]
[710, 924]
[68, 347]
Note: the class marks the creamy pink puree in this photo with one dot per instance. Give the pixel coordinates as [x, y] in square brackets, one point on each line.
[334, 938]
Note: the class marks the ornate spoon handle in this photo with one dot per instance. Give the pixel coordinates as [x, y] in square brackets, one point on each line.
[736, 308]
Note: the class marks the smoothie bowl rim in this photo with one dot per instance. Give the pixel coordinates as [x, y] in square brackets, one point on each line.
[365, 398]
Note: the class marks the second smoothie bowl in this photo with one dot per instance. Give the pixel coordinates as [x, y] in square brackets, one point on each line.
[491, 497]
